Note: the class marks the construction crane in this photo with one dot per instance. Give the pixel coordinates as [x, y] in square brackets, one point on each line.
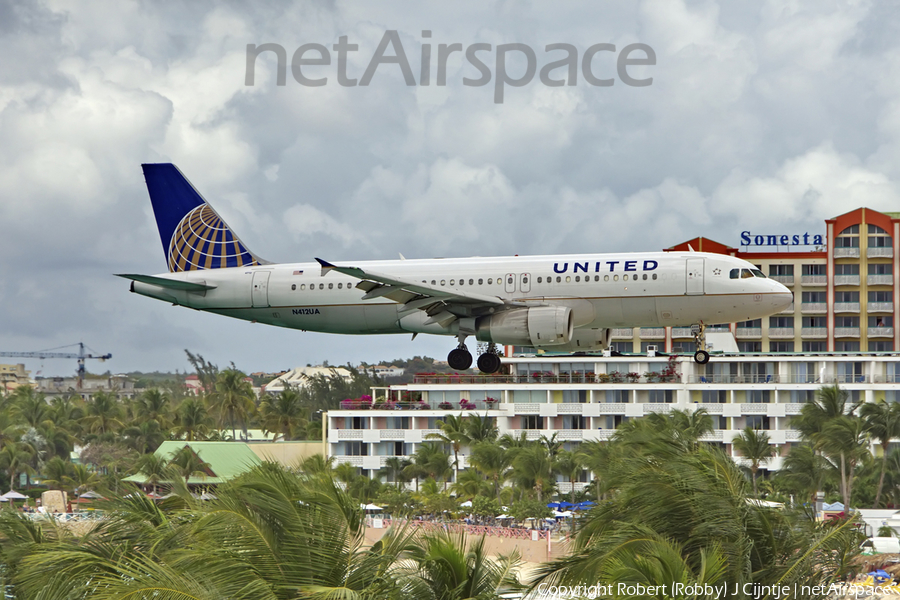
[81, 356]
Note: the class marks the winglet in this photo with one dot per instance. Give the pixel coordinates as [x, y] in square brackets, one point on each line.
[326, 266]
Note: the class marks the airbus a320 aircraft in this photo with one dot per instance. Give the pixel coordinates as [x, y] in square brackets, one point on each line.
[563, 303]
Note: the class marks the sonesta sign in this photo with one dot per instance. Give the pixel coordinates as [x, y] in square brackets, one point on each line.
[797, 239]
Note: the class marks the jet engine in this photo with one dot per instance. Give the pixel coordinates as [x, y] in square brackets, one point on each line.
[536, 327]
[586, 340]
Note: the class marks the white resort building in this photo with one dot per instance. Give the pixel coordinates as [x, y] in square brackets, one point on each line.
[581, 398]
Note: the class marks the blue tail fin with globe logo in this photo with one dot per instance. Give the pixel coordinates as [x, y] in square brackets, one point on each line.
[194, 236]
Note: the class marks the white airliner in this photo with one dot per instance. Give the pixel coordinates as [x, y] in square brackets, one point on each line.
[563, 303]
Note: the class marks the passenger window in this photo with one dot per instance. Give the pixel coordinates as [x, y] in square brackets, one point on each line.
[293, 286]
[606, 278]
[321, 286]
[509, 280]
[596, 278]
[481, 282]
[645, 277]
[568, 279]
[654, 276]
[330, 286]
[558, 279]
[539, 279]
[490, 281]
[524, 280]
[471, 282]
[452, 282]
[634, 277]
[302, 286]
[615, 277]
[734, 274]
[578, 279]
[339, 285]
[443, 282]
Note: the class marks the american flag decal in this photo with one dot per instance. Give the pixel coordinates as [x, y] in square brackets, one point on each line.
[298, 272]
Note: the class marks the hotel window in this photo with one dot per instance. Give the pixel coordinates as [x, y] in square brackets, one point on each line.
[662, 396]
[814, 297]
[844, 346]
[847, 269]
[884, 296]
[532, 422]
[814, 269]
[750, 346]
[757, 421]
[784, 270]
[880, 268]
[781, 346]
[815, 321]
[755, 323]
[885, 321]
[881, 346]
[848, 238]
[574, 396]
[574, 422]
[815, 347]
[714, 396]
[685, 347]
[846, 321]
[803, 396]
[758, 396]
[879, 238]
[852, 297]
[617, 396]
[781, 322]
[622, 346]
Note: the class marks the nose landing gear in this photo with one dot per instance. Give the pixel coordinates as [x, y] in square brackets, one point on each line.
[701, 356]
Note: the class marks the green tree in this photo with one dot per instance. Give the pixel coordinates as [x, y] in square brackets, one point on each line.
[454, 433]
[233, 399]
[570, 465]
[192, 420]
[882, 421]
[753, 445]
[846, 441]
[102, 413]
[283, 414]
[533, 468]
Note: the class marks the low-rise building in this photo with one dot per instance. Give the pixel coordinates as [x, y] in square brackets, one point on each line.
[120, 385]
[580, 398]
[12, 376]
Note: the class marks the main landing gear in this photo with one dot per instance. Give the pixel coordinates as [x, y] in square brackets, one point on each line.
[460, 359]
[701, 356]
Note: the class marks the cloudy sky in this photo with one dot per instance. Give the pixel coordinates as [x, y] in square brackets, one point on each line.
[761, 116]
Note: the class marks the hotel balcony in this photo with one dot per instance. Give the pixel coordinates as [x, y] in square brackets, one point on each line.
[879, 252]
[846, 252]
[843, 332]
[814, 332]
[682, 332]
[653, 333]
[783, 279]
[846, 307]
[623, 333]
[885, 307]
[814, 308]
[846, 280]
[880, 280]
[781, 333]
[880, 332]
[813, 280]
[749, 333]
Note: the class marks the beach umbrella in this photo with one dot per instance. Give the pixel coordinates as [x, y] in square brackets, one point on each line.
[370, 507]
[91, 495]
[467, 503]
[566, 505]
[14, 495]
[584, 505]
[553, 505]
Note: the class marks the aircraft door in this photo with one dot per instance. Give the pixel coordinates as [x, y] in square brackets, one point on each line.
[694, 276]
[259, 291]
[510, 282]
[525, 282]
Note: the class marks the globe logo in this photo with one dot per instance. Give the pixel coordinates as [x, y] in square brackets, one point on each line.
[202, 240]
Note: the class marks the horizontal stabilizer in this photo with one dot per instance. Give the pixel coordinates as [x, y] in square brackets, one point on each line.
[172, 284]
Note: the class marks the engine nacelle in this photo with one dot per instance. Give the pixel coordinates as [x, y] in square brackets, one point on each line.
[536, 327]
[587, 340]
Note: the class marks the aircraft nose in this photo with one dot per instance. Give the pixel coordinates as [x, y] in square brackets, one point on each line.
[783, 297]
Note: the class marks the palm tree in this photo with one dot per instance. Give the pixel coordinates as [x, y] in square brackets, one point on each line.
[882, 421]
[805, 469]
[569, 464]
[435, 463]
[283, 414]
[394, 470]
[533, 468]
[193, 421]
[469, 483]
[153, 404]
[102, 413]
[481, 428]
[830, 403]
[845, 439]
[454, 434]
[14, 459]
[233, 399]
[189, 464]
[493, 461]
[753, 445]
[154, 468]
[82, 479]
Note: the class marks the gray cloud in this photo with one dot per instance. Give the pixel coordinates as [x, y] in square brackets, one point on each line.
[760, 116]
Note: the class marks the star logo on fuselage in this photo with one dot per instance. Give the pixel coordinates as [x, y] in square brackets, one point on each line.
[717, 271]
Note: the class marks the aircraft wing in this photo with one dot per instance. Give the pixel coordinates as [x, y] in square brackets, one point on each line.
[416, 295]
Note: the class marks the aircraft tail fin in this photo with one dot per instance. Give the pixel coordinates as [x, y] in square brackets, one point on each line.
[193, 235]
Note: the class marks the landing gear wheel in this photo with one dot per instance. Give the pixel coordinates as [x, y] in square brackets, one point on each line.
[489, 363]
[701, 357]
[459, 359]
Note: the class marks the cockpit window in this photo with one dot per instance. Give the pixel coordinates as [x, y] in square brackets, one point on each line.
[746, 273]
[734, 274]
[757, 273]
